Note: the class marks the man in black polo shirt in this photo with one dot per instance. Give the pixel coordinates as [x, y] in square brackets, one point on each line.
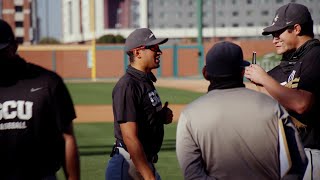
[295, 83]
[138, 112]
[36, 113]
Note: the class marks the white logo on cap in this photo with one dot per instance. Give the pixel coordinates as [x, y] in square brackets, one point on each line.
[289, 22]
[151, 35]
[275, 20]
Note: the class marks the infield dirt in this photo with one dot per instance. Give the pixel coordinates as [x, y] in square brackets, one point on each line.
[103, 113]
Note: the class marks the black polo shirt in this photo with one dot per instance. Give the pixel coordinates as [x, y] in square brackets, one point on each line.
[135, 99]
[35, 109]
[305, 75]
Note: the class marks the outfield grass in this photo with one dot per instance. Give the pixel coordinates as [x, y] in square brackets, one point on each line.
[95, 141]
[101, 93]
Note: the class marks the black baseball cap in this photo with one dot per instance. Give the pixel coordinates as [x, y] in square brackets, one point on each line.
[6, 34]
[142, 37]
[288, 15]
[225, 59]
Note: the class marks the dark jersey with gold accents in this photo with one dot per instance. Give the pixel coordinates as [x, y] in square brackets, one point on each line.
[35, 110]
[304, 73]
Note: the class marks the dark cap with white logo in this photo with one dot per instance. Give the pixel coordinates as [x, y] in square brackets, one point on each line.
[288, 15]
[142, 37]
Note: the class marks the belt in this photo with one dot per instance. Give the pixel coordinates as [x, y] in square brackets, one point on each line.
[120, 150]
[120, 143]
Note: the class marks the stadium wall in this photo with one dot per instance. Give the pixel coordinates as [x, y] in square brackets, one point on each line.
[74, 61]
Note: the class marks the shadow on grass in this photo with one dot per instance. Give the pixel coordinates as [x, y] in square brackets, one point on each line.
[93, 150]
[168, 145]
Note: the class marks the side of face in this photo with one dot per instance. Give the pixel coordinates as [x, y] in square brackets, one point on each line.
[149, 57]
[286, 40]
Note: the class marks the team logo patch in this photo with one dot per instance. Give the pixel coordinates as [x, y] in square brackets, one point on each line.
[154, 98]
[293, 84]
[290, 78]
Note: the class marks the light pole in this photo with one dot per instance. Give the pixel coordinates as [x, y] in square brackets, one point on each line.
[47, 17]
[93, 42]
[199, 39]
[199, 21]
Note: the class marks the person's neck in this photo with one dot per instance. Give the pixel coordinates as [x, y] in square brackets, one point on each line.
[302, 40]
[140, 68]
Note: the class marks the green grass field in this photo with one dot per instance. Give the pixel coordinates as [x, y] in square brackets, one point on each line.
[101, 93]
[95, 140]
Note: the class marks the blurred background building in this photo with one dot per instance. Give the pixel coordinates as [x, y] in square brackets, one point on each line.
[18, 13]
[48, 19]
[71, 21]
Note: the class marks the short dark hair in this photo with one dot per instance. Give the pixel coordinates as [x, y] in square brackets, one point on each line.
[131, 56]
[307, 29]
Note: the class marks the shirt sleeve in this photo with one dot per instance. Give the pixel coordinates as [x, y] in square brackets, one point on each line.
[63, 105]
[310, 76]
[188, 153]
[125, 103]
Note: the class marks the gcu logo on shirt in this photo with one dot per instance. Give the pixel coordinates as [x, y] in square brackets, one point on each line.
[12, 109]
[154, 97]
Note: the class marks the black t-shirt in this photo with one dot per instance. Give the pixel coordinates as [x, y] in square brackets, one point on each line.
[305, 75]
[35, 110]
[135, 99]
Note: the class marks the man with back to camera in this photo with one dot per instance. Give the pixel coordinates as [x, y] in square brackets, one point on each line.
[233, 132]
[138, 112]
[295, 83]
[36, 113]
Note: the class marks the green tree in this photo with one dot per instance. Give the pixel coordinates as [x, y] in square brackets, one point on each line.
[110, 38]
[49, 40]
[119, 39]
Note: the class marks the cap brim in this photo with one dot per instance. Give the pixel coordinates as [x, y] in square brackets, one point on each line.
[3, 45]
[157, 41]
[245, 63]
[270, 29]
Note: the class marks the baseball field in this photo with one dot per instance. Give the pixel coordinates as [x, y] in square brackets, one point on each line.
[94, 127]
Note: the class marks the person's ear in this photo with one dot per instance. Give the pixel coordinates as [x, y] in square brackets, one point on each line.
[137, 53]
[204, 73]
[297, 29]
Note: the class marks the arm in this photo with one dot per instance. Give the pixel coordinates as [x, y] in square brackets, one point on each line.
[71, 165]
[188, 153]
[129, 132]
[256, 87]
[296, 100]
